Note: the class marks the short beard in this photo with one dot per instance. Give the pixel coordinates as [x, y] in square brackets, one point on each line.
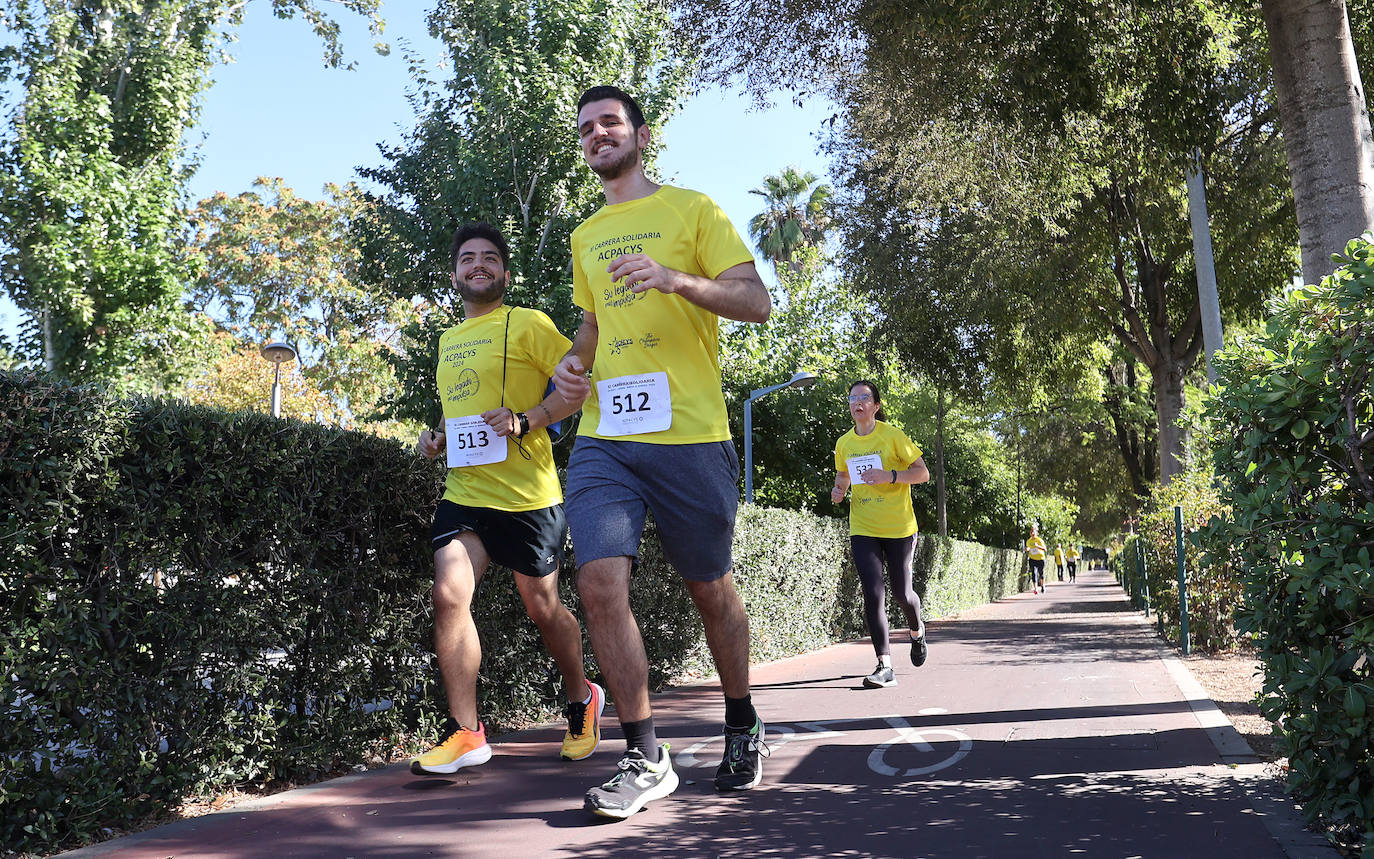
[619, 167]
[495, 291]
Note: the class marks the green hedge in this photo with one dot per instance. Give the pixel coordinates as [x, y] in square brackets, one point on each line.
[1294, 453]
[194, 598]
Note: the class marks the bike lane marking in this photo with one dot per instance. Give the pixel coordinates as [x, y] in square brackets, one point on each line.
[779, 735]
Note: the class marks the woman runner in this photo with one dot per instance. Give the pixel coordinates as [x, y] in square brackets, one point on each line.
[881, 463]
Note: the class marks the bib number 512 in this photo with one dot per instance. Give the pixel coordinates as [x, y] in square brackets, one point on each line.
[632, 405]
[628, 404]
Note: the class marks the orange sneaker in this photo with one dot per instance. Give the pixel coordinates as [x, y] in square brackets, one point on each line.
[584, 726]
[463, 748]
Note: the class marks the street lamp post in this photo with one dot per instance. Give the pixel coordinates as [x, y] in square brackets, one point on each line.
[278, 353]
[800, 379]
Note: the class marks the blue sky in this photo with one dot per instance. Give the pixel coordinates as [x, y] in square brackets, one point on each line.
[278, 112]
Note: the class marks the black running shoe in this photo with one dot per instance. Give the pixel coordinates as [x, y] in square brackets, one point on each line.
[741, 768]
[636, 783]
[881, 677]
[919, 651]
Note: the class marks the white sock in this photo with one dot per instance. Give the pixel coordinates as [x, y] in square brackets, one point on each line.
[885, 660]
[588, 699]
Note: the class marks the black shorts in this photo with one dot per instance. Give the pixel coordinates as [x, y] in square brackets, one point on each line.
[529, 542]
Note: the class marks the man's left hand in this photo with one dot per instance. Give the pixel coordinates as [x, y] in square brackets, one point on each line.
[502, 421]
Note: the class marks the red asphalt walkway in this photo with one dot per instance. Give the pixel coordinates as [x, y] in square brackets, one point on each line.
[1043, 726]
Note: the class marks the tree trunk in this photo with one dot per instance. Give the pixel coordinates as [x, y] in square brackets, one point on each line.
[1325, 125]
[1169, 402]
[941, 519]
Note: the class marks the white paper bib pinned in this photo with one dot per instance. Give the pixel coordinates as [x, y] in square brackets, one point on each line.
[859, 464]
[631, 405]
[472, 442]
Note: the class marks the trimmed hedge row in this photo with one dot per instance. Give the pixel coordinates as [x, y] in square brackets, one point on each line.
[194, 598]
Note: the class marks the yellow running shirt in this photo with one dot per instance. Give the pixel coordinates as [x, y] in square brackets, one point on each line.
[657, 359]
[883, 510]
[469, 381]
[1072, 553]
[1035, 548]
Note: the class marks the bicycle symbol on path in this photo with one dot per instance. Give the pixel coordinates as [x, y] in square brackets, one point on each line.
[918, 738]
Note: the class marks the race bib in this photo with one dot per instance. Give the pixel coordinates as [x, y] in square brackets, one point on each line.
[472, 442]
[859, 464]
[634, 404]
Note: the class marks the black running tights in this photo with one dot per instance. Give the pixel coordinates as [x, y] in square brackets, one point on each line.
[870, 553]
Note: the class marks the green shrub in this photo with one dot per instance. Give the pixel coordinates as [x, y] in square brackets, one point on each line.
[1294, 449]
[1214, 582]
[192, 599]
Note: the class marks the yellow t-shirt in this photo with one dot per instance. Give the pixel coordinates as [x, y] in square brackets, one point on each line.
[653, 333]
[1035, 548]
[469, 381]
[883, 510]
[1059, 554]
[1072, 553]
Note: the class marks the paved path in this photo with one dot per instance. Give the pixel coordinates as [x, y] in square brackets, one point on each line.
[1042, 726]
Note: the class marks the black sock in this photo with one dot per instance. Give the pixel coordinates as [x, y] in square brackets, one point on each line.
[640, 735]
[739, 712]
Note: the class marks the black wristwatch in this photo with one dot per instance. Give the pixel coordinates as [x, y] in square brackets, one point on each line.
[524, 420]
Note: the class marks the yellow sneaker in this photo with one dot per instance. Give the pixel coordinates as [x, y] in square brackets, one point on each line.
[463, 748]
[584, 725]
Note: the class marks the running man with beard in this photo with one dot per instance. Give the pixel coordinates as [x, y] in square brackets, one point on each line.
[654, 270]
[502, 501]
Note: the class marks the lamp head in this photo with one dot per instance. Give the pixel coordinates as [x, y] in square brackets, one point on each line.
[803, 379]
[279, 353]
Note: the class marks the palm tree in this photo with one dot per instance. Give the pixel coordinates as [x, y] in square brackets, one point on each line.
[797, 214]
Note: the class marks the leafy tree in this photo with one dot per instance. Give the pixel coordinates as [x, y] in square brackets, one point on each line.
[271, 265]
[1050, 64]
[95, 166]
[797, 213]
[496, 141]
[238, 379]
[1058, 142]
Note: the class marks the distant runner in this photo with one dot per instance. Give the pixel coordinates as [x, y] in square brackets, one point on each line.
[1071, 557]
[654, 270]
[1035, 551]
[502, 501]
[881, 463]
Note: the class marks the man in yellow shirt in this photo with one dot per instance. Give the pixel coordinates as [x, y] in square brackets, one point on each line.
[1035, 551]
[654, 270]
[1059, 561]
[1071, 556]
[502, 501]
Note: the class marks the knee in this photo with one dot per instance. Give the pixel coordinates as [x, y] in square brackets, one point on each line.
[602, 592]
[450, 599]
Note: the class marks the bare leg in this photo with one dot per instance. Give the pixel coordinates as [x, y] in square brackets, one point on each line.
[727, 631]
[457, 569]
[562, 636]
[604, 585]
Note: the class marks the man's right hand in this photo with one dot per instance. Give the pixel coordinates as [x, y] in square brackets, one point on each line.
[430, 443]
[570, 379]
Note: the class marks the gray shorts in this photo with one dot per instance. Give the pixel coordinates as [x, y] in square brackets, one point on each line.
[691, 489]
